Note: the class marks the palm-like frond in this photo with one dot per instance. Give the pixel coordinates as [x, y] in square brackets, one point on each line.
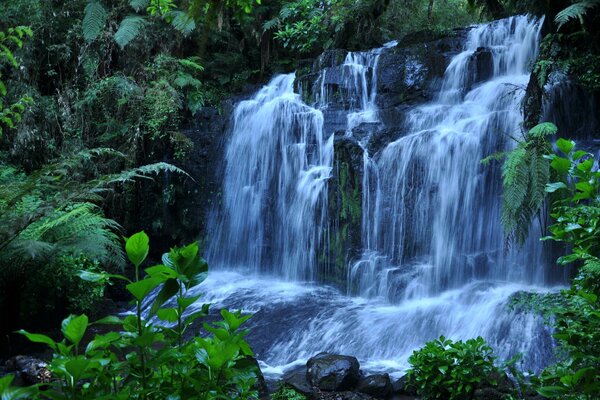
[81, 228]
[94, 20]
[575, 11]
[183, 22]
[129, 29]
[138, 5]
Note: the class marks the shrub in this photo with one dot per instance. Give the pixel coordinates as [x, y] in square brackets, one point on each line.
[444, 369]
[287, 393]
[143, 359]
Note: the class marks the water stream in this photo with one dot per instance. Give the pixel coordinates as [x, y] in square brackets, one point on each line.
[434, 259]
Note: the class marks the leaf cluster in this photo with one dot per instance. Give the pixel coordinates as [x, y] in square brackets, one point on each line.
[147, 359]
[444, 369]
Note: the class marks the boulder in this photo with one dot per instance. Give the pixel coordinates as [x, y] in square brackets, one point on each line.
[297, 379]
[378, 385]
[333, 372]
[481, 65]
[403, 387]
[342, 396]
[30, 369]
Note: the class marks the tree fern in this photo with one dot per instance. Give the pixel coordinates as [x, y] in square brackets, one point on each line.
[183, 22]
[575, 11]
[525, 175]
[94, 19]
[82, 228]
[129, 29]
[138, 5]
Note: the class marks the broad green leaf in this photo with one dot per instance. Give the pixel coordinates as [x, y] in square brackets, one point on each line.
[137, 247]
[74, 328]
[77, 367]
[102, 341]
[100, 277]
[161, 271]
[185, 302]
[167, 314]
[565, 145]
[38, 338]
[108, 320]
[234, 320]
[552, 391]
[142, 288]
[561, 164]
[168, 290]
[553, 187]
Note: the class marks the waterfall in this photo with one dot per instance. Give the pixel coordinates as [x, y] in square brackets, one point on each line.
[277, 165]
[434, 259]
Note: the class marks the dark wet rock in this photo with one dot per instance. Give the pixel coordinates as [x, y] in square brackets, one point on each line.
[402, 386]
[488, 393]
[481, 65]
[342, 396]
[30, 370]
[406, 74]
[333, 372]
[298, 379]
[329, 58]
[378, 385]
[503, 382]
[364, 130]
[345, 209]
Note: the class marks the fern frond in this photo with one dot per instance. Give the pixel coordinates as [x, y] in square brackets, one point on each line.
[270, 24]
[575, 11]
[183, 22]
[81, 228]
[129, 29]
[94, 20]
[539, 168]
[138, 5]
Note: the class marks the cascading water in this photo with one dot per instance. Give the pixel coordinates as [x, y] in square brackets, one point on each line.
[433, 259]
[277, 165]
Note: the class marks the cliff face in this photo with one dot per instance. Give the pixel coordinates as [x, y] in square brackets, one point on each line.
[407, 75]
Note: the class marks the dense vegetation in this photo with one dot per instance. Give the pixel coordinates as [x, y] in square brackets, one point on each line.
[94, 95]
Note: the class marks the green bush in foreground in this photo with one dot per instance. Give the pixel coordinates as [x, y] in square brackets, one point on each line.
[141, 359]
[444, 369]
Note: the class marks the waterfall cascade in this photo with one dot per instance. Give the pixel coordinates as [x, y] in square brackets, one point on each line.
[433, 254]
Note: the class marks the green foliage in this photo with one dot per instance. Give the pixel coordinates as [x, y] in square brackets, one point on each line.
[525, 173]
[129, 29]
[444, 369]
[94, 20]
[147, 360]
[576, 312]
[577, 11]
[287, 393]
[11, 114]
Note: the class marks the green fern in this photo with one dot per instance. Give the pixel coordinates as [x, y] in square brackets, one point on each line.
[577, 11]
[183, 22]
[129, 29]
[525, 175]
[138, 5]
[81, 229]
[94, 20]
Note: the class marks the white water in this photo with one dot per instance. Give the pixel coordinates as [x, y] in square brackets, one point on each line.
[433, 260]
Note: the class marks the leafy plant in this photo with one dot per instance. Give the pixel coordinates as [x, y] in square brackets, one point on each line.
[148, 360]
[444, 369]
[11, 114]
[525, 173]
[287, 393]
[577, 11]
